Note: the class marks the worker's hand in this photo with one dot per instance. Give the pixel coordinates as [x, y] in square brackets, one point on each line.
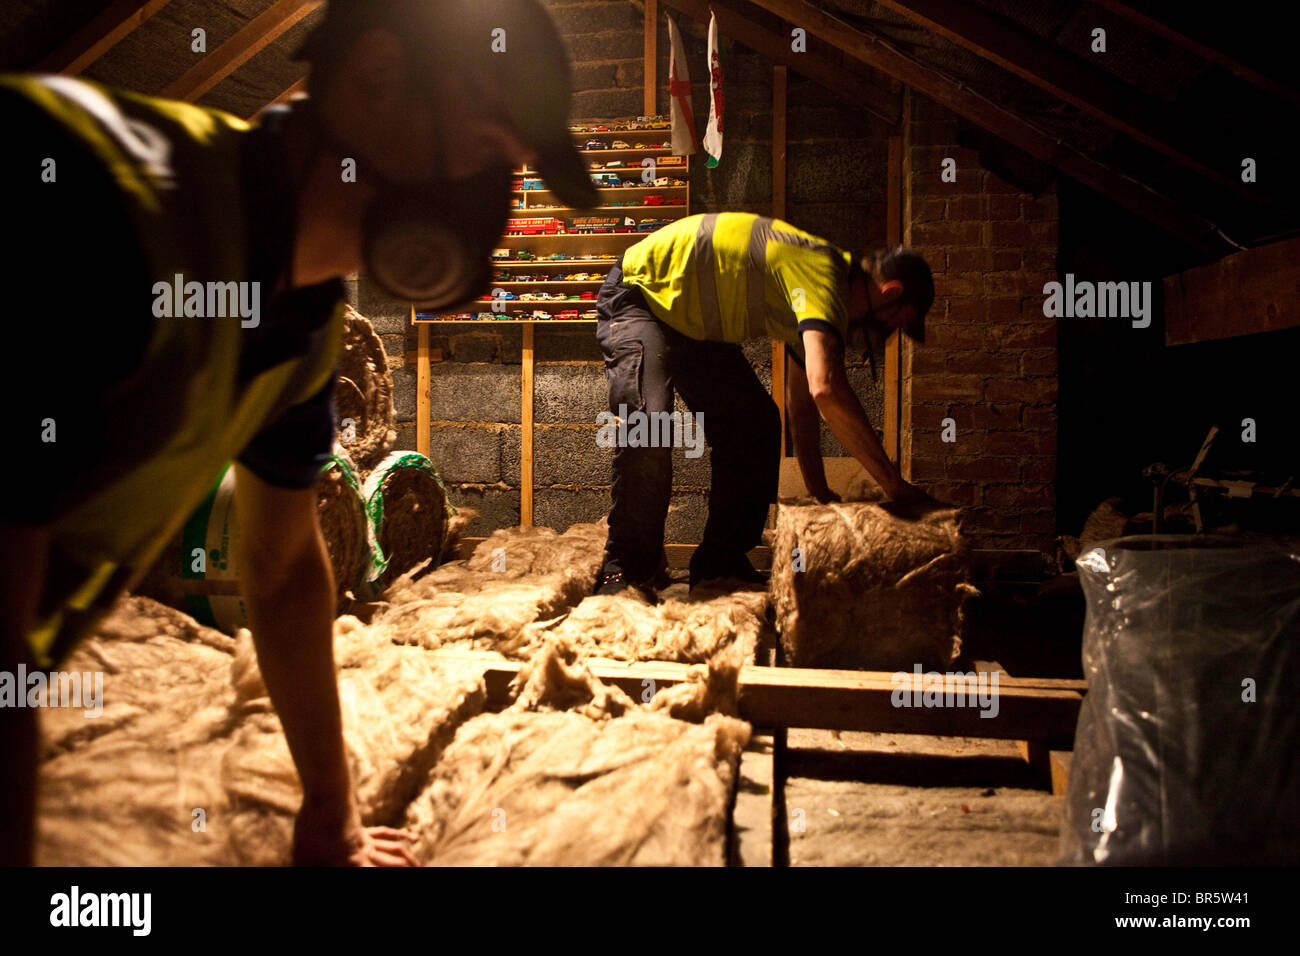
[825, 496]
[319, 839]
[907, 500]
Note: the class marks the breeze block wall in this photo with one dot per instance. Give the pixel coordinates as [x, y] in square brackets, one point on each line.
[989, 363]
[835, 188]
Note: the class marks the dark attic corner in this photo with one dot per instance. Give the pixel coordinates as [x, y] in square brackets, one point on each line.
[664, 433]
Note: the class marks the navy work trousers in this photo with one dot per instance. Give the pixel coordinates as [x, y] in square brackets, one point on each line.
[645, 361]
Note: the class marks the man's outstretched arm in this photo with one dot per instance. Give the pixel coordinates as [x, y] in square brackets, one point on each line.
[289, 589]
[805, 428]
[839, 405]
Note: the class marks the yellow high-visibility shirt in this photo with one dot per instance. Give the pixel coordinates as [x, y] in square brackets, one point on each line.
[732, 276]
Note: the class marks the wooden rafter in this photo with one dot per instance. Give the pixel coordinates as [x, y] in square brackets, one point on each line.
[299, 86]
[1021, 53]
[1209, 54]
[963, 101]
[99, 36]
[852, 87]
[258, 33]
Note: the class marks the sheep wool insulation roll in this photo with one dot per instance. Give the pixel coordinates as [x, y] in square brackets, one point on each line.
[363, 391]
[869, 586]
[343, 524]
[408, 513]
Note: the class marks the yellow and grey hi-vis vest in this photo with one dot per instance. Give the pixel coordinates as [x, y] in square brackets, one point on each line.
[731, 276]
[177, 168]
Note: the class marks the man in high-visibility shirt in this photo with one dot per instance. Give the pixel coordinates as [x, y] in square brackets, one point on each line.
[671, 317]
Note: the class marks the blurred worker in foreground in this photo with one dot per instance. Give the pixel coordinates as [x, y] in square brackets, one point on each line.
[123, 198]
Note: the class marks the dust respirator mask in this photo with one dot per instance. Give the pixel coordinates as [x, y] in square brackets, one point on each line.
[432, 243]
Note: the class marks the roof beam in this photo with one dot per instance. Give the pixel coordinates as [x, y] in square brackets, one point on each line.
[955, 96]
[1021, 53]
[299, 86]
[1146, 22]
[99, 36]
[856, 89]
[225, 59]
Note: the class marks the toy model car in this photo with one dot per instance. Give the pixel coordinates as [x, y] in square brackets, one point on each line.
[599, 129]
[568, 315]
[606, 180]
[668, 181]
[506, 295]
[619, 144]
[674, 201]
[587, 296]
[595, 144]
[540, 314]
[524, 255]
[463, 316]
[616, 164]
[590, 314]
[486, 316]
[655, 200]
[559, 255]
[500, 253]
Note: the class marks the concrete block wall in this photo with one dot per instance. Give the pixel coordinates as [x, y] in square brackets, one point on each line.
[989, 363]
[835, 188]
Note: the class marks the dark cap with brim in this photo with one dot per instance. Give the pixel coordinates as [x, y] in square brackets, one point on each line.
[513, 42]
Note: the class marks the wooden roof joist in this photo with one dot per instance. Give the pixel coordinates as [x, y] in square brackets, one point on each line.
[99, 36]
[1021, 53]
[243, 46]
[855, 89]
[299, 86]
[963, 101]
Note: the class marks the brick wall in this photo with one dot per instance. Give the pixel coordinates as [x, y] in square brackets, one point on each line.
[989, 362]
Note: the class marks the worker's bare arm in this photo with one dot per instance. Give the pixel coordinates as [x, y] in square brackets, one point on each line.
[839, 405]
[806, 426]
[24, 550]
[289, 590]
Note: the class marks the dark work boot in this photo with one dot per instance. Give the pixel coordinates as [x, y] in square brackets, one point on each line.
[613, 581]
[720, 567]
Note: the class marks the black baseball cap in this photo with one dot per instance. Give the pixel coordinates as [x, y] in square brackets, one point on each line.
[514, 41]
[910, 267]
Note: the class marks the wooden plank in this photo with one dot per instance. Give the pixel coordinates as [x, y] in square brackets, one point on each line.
[1049, 67]
[1253, 291]
[423, 413]
[735, 22]
[957, 97]
[101, 34]
[258, 33]
[526, 436]
[779, 86]
[778, 387]
[893, 423]
[651, 70]
[1167, 32]
[1027, 708]
[1059, 761]
[299, 86]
